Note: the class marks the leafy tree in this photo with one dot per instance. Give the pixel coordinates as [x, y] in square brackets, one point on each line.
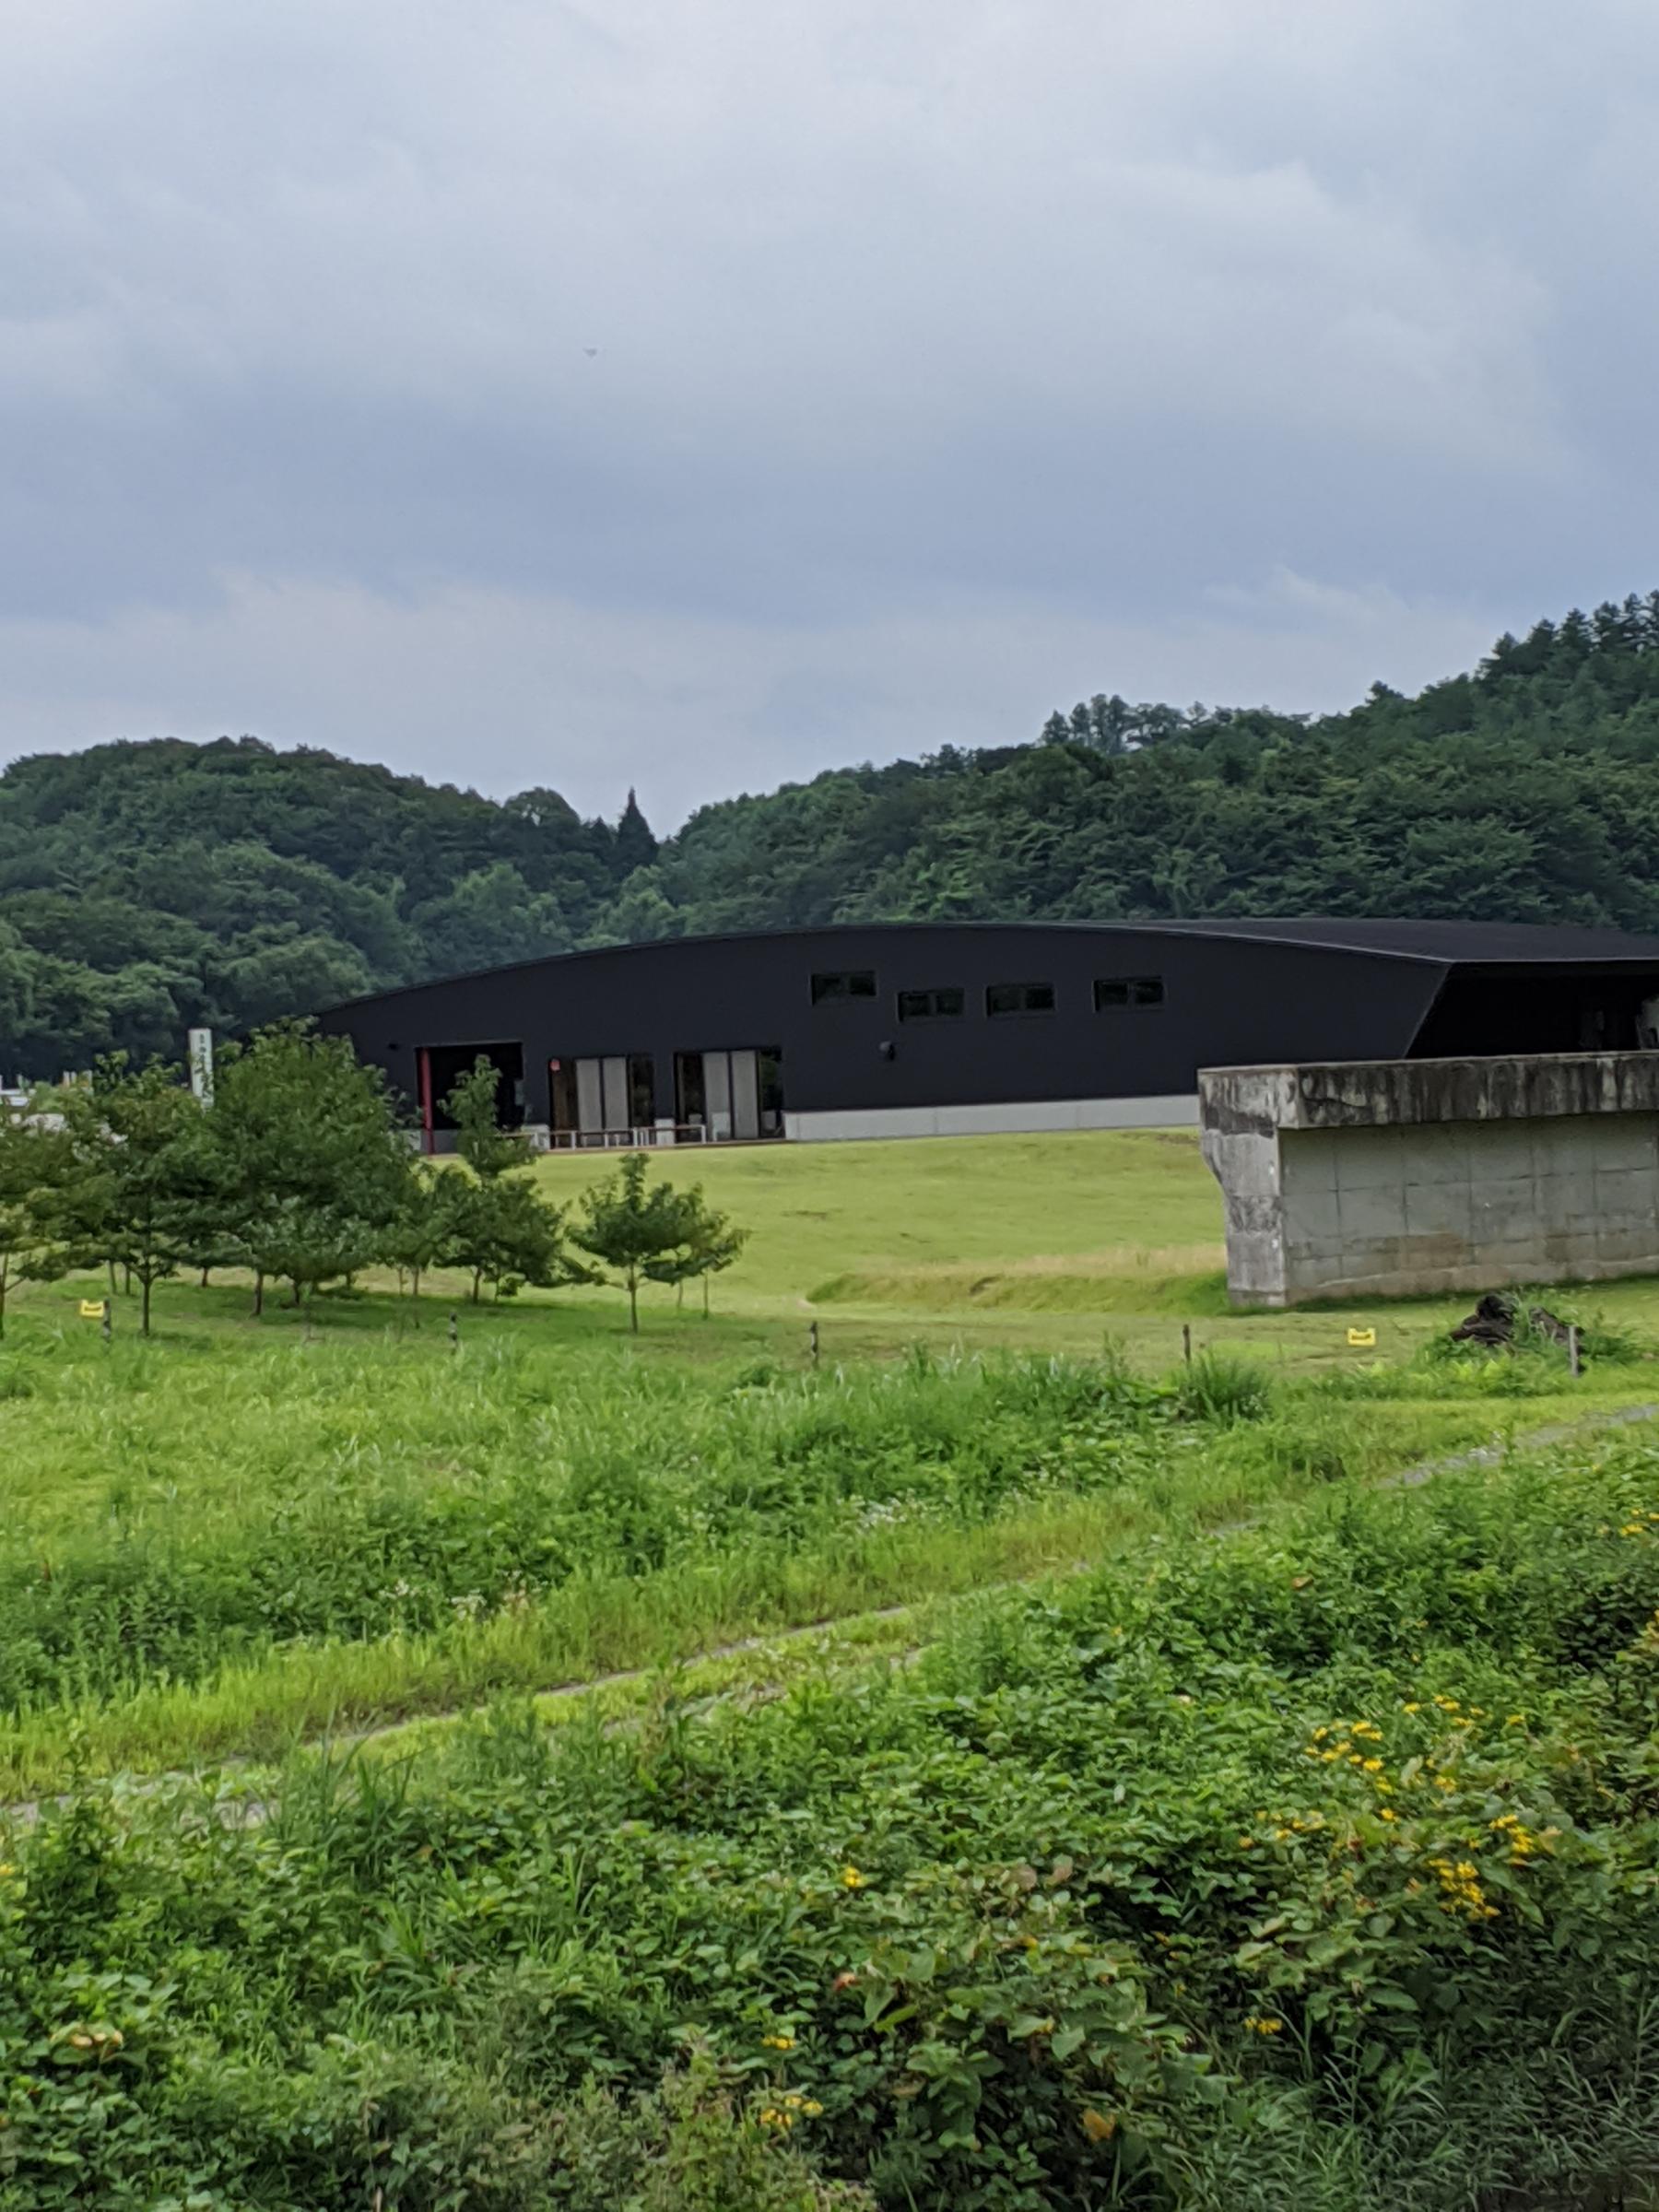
[635, 1227]
[313, 1169]
[37, 1163]
[709, 1243]
[485, 1148]
[636, 847]
[144, 1188]
[425, 1231]
[641, 913]
[487, 918]
[499, 1227]
[504, 1233]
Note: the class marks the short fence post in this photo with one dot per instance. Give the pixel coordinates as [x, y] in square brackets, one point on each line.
[1186, 1342]
[1573, 1348]
[108, 1322]
[454, 1330]
[812, 1341]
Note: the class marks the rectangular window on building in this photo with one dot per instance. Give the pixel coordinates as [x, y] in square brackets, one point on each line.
[940, 1004]
[1019, 998]
[844, 982]
[1128, 991]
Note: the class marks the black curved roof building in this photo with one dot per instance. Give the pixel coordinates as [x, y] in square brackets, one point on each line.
[925, 1028]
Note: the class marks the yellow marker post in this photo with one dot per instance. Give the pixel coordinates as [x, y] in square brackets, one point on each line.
[92, 1309]
[1362, 1340]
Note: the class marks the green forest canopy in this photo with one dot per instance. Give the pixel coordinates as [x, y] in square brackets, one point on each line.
[147, 886]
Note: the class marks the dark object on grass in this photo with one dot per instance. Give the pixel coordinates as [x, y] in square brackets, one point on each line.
[1495, 1319]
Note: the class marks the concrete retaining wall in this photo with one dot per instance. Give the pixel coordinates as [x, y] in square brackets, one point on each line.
[1405, 1177]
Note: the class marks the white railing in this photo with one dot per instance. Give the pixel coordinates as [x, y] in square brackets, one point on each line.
[535, 1136]
[628, 1140]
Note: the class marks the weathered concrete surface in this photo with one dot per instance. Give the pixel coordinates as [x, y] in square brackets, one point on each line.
[1399, 1177]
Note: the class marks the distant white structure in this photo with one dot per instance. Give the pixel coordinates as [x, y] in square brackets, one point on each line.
[200, 1064]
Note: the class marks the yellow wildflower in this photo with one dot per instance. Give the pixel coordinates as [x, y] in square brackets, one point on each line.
[851, 1878]
[779, 2042]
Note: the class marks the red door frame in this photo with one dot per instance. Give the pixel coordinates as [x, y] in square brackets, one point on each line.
[423, 1061]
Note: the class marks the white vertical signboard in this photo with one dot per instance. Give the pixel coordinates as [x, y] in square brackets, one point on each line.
[200, 1064]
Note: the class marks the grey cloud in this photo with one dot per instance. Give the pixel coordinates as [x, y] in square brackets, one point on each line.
[1059, 319]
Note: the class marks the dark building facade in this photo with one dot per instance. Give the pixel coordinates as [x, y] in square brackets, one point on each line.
[912, 1029]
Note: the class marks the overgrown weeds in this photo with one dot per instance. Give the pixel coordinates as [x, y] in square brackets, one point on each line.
[1316, 1868]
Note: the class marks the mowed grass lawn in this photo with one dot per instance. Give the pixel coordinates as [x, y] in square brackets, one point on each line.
[904, 1209]
[1036, 1242]
[1031, 1243]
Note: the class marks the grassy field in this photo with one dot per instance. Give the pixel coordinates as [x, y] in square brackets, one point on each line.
[986, 1669]
[1029, 1243]
[1041, 1241]
[243, 1532]
[217, 1543]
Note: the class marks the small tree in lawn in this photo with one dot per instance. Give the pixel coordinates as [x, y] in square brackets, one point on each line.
[708, 1242]
[144, 1189]
[427, 1227]
[312, 1156]
[37, 1162]
[501, 1229]
[632, 1228]
[487, 1150]
[504, 1232]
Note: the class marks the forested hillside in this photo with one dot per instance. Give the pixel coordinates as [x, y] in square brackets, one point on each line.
[144, 887]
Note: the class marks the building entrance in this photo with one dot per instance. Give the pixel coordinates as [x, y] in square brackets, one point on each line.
[608, 1100]
[437, 1068]
[733, 1095]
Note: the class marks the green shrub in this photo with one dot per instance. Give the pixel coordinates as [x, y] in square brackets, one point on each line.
[691, 2145]
[1314, 1867]
[1219, 1386]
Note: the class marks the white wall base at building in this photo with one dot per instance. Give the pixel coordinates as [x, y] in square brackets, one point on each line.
[1179, 1109]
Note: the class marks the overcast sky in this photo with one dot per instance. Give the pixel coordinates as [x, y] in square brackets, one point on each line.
[696, 393]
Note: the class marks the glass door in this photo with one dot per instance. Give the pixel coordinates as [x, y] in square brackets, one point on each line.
[735, 1094]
